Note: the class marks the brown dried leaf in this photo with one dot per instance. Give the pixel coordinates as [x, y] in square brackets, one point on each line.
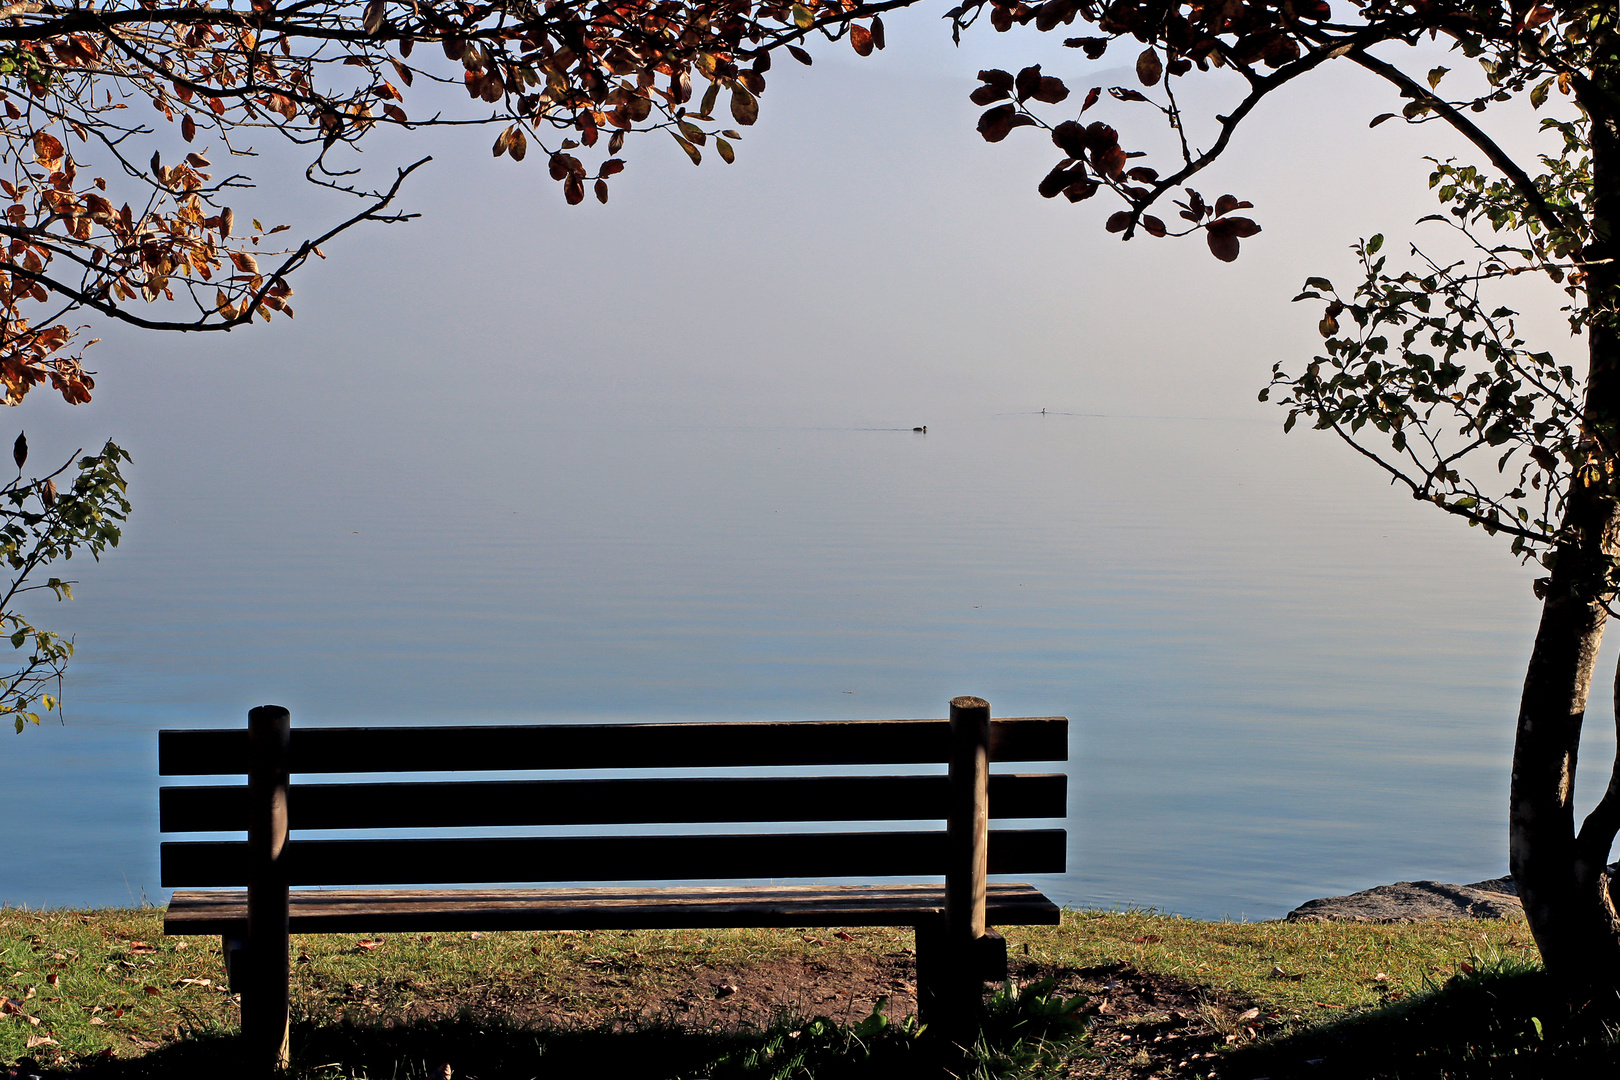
[1149, 69]
[48, 151]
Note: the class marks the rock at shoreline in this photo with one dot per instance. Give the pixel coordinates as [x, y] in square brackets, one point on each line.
[1408, 901]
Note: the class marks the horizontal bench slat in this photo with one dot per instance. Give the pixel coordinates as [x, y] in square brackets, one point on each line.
[610, 858]
[395, 910]
[613, 746]
[609, 802]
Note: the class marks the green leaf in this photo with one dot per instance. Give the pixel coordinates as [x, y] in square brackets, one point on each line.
[1435, 75]
[1375, 243]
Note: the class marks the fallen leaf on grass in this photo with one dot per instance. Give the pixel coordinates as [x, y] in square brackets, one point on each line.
[368, 944]
[1325, 1005]
[152, 991]
[1380, 977]
[1247, 1015]
[40, 1040]
[1148, 939]
[842, 935]
[141, 948]
[97, 1021]
[196, 982]
[52, 979]
[1279, 973]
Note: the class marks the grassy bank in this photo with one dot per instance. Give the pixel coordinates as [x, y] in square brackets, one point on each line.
[106, 993]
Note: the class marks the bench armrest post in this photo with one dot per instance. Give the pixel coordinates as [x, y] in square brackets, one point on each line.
[957, 983]
[264, 990]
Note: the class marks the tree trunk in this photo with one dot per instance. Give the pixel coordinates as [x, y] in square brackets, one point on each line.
[1562, 876]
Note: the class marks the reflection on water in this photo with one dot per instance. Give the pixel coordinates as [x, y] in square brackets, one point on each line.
[1283, 681]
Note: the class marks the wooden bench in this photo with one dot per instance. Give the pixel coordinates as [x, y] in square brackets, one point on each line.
[956, 952]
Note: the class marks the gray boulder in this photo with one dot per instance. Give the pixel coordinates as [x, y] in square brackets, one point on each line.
[1408, 901]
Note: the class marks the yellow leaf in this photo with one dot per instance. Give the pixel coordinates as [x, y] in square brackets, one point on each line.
[802, 17]
[691, 151]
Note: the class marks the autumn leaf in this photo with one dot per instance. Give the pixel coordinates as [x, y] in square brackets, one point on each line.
[1148, 68]
[996, 123]
[860, 38]
[744, 107]
[691, 151]
[1224, 233]
[48, 151]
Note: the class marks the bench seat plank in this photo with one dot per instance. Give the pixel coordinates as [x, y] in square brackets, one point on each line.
[399, 910]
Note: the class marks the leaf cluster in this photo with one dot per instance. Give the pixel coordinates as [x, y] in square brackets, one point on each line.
[94, 217]
[41, 523]
[1521, 49]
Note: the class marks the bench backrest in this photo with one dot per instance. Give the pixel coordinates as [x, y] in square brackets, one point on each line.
[605, 801]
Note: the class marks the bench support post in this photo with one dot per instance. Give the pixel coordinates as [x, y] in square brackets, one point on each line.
[952, 960]
[264, 983]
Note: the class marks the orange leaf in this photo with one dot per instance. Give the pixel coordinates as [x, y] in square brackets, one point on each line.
[47, 150]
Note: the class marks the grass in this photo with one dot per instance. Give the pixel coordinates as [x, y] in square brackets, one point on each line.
[1301, 970]
[103, 992]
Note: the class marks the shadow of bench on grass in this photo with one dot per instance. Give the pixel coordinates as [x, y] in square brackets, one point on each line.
[481, 1049]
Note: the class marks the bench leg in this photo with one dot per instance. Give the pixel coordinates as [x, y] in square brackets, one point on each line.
[950, 988]
[265, 1011]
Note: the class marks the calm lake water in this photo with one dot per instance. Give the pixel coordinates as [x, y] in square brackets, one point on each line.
[1284, 682]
